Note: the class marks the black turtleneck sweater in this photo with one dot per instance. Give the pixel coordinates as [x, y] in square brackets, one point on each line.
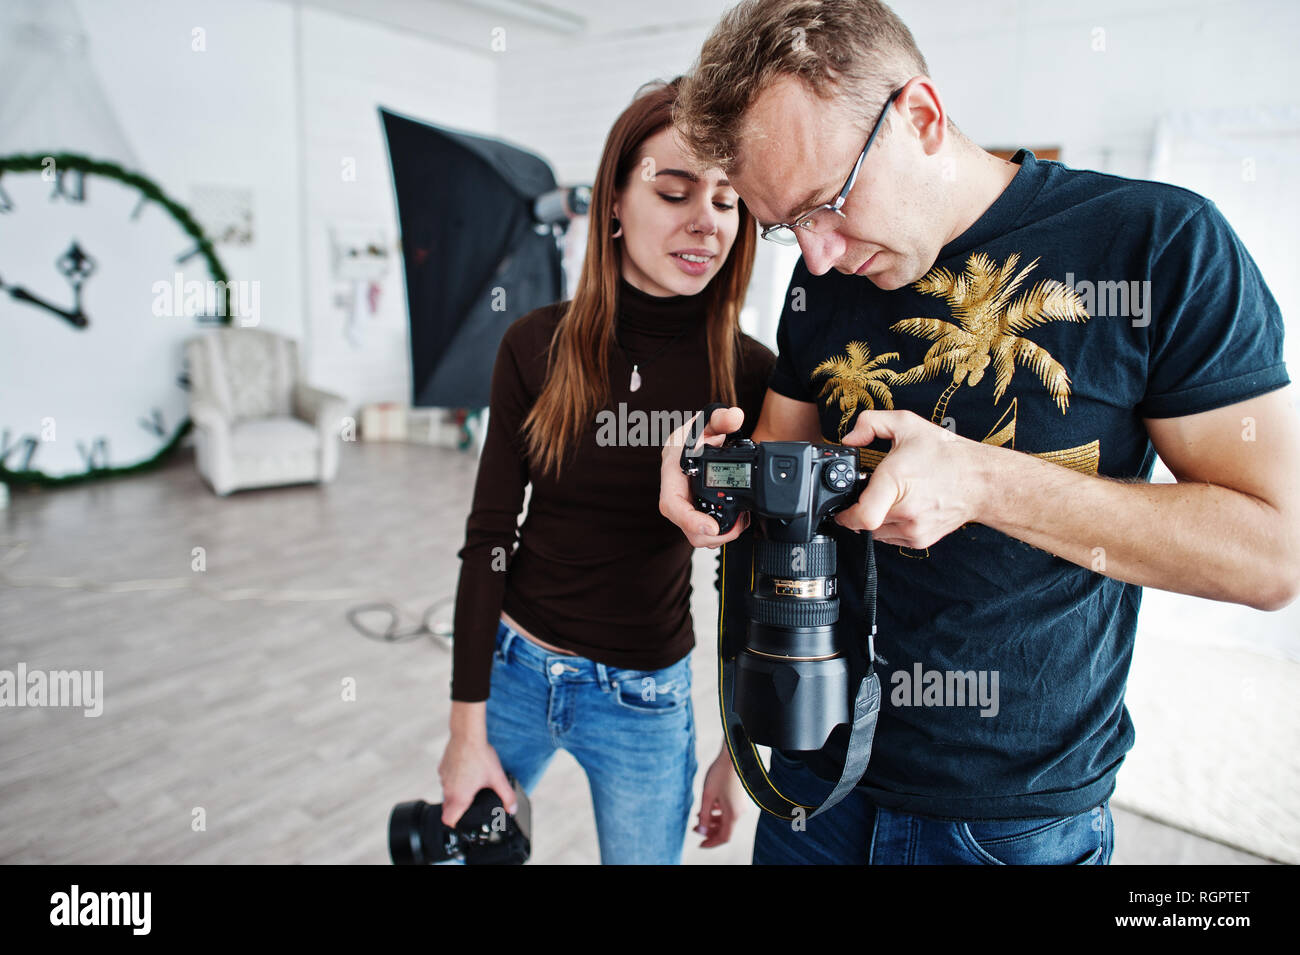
[597, 570]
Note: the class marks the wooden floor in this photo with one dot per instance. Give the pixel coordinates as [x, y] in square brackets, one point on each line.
[233, 711]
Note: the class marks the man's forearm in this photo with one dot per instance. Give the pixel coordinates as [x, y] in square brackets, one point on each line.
[1191, 538]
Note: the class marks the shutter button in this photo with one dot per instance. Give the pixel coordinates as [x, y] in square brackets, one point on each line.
[557, 668]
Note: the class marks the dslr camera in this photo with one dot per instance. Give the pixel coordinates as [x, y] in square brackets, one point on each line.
[793, 681]
[485, 835]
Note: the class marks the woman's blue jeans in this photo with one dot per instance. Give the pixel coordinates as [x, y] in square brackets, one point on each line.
[632, 732]
[857, 832]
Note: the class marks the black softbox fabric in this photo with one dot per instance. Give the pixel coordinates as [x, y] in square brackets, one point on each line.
[464, 204]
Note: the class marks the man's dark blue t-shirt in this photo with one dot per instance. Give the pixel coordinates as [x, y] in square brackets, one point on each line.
[1076, 306]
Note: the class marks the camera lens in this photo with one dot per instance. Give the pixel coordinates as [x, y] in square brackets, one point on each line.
[792, 682]
[416, 834]
[793, 598]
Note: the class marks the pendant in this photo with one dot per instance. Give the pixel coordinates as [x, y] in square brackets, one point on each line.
[635, 383]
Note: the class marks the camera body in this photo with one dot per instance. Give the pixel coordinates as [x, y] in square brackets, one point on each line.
[792, 486]
[793, 681]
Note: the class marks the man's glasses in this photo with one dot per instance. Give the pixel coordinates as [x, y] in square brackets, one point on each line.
[827, 217]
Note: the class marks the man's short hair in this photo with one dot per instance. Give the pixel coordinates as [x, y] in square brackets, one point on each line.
[856, 51]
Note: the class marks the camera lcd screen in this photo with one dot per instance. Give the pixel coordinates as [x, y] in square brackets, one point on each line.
[726, 474]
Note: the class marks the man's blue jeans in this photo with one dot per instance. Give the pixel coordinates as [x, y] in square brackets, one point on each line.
[857, 832]
[632, 731]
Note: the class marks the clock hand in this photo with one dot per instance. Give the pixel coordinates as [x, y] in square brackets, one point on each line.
[76, 267]
[77, 318]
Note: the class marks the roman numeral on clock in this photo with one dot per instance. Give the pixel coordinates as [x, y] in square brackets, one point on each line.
[29, 442]
[69, 184]
[154, 423]
[97, 456]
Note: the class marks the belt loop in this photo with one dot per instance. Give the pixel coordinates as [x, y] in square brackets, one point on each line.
[602, 677]
[508, 639]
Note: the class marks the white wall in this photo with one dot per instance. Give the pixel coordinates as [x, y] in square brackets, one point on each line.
[350, 67]
[218, 117]
[1016, 72]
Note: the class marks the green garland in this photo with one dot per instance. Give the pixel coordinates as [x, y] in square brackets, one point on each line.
[97, 167]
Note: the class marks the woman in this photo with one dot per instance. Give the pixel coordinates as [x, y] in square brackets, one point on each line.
[583, 633]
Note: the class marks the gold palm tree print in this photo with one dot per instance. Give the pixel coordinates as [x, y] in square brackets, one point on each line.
[989, 327]
[857, 381]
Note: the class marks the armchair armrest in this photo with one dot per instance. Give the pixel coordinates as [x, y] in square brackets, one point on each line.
[322, 409]
[213, 443]
[208, 416]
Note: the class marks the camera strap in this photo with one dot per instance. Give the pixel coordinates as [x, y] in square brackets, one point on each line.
[734, 585]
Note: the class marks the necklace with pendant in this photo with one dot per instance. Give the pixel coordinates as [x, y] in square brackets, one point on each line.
[634, 383]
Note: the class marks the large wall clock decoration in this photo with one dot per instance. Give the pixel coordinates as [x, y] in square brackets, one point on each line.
[90, 254]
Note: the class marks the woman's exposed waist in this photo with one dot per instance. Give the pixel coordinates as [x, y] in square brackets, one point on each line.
[567, 625]
[515, 626]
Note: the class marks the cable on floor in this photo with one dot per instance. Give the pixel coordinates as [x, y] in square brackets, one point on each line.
[439, 633]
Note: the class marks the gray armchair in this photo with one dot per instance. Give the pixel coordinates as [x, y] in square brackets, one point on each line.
[255, 423]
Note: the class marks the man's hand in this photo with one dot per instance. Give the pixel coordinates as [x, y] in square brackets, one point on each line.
[675, 501]
[927, 486]
[1228, 530]
[718, 802]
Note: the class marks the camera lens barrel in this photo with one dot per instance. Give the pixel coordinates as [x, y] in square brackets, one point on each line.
[792, 681]
[803, 615]
[816, 558]
[416, 835]
[794, 592]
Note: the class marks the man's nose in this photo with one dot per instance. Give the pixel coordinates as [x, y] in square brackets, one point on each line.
[820, 252]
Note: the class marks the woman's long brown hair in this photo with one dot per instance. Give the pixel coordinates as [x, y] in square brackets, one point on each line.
[577, 378]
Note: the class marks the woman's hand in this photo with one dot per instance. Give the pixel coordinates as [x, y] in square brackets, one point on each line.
[469, 763]
[675, 500]
[718, 803]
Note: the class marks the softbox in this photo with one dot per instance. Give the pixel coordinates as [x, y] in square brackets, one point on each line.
[474, 257]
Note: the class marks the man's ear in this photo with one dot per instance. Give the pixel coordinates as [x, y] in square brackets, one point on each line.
[922, 108]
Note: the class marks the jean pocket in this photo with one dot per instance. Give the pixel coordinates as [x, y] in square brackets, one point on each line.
[654, 691]
[1062, 840]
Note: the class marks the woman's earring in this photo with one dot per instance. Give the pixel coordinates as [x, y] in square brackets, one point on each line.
[616, 227]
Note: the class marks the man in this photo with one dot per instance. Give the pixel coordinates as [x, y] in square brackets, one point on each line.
[960, 319]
